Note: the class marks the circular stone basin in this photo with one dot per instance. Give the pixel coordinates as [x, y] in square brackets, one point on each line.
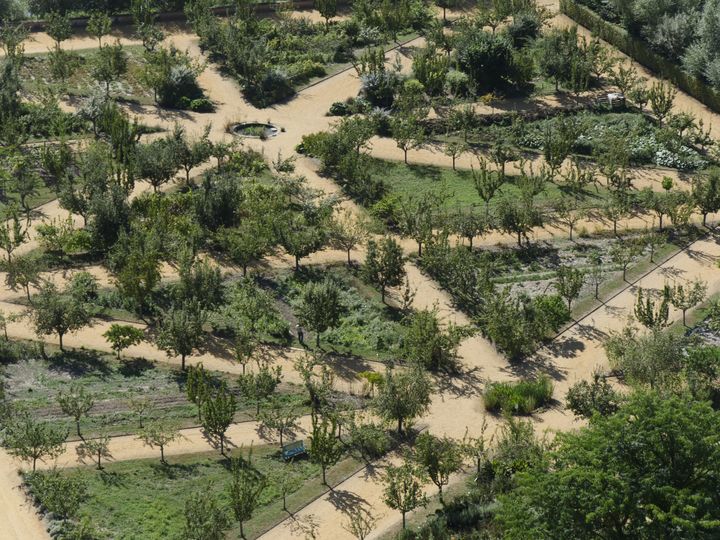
[256, 130]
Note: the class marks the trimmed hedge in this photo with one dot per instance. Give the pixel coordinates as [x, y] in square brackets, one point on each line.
[641, 52]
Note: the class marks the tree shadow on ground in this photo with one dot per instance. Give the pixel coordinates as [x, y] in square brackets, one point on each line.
[174, 471]
[135, 367]
[590, 332]
[77, 363]
[460, 384]
[346, 501]
[564, 347]
[533, 367]
[114, 479]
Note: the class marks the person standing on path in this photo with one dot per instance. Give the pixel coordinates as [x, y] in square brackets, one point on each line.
[300, 334]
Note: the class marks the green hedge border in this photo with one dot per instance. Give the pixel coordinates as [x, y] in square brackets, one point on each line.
[641, 52]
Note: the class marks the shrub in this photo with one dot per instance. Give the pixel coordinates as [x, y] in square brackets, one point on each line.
[180, 83]
[202, 105]
[339, 108]
[274, 86]
[521, 397]
[371, 441]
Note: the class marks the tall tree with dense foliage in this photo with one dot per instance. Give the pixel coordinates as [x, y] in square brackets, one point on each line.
[706, 193]
[159, 434]
[402, 397]
[384, 264]
[218, 413]
[58, 312]
[246, 487]
[32, 440]
[403, 488]
[427, 344]
[76, 402]
[261, 385]
[205, 517]
[569, 282]
[646, 472]
[122, 336]
[181, 331]
[439, 457]
[319, 307]
[326, 448]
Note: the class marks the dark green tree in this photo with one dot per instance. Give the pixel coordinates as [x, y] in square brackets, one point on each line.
[384, 264]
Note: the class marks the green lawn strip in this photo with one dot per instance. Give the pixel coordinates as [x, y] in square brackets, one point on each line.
[459, 189]
[35, 384]
[145, 499]
[36, 73]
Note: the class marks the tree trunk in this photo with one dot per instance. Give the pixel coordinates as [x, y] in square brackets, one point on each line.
[182, 360]
[704, 218]
[454, 169]
[162, 453]
[77, 428]
[661, 218]
[281, 438]
[519, 239]
[400, 422]
[382, 294]
[419, 248]
[297, 263]
[317, 339]
[323, 476]
[242, 533]
[222, 444]
[684, 311]
[405, 150]
[403, 520]
[60, 337]
[349, 260]
[34, 463]
[571, 233]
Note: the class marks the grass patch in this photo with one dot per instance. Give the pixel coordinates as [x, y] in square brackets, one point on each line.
[35, 383]
[522, 397]
[458, 189]
[144, 499]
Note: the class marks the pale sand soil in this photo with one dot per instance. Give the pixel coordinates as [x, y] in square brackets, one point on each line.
[191, 441]
[456, 405]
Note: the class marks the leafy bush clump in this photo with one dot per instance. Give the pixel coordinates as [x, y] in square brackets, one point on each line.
[521, 397]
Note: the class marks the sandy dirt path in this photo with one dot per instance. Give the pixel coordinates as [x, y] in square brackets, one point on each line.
[191, 441]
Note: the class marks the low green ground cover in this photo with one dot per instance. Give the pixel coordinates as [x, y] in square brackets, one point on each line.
[35, 383]
[457, 189]
[146, 499]
[368, 328]
[36, 74]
